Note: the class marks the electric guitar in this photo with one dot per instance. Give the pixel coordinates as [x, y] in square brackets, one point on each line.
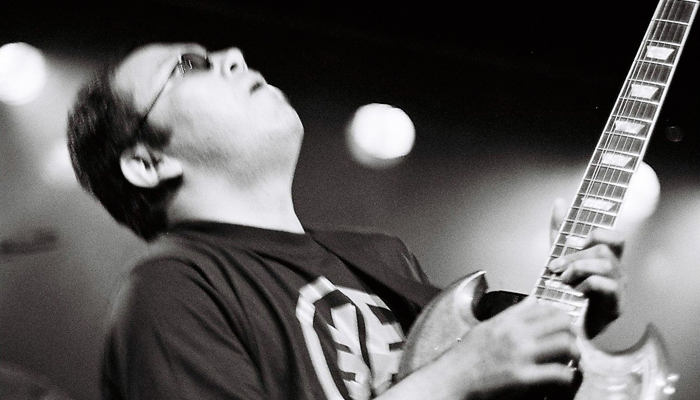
[642, 371]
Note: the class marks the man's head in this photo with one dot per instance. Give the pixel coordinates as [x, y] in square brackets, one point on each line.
[167, 111]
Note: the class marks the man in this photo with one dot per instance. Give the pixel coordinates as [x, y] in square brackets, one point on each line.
[236, 298]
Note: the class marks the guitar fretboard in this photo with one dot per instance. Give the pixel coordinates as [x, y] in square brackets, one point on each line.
[622, 145]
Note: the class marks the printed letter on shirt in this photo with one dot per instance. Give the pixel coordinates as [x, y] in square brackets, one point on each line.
[354, 329]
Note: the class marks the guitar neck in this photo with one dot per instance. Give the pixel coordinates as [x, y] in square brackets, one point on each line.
[622, 145]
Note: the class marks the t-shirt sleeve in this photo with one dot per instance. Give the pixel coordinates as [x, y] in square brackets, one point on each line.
[414, 266]
[407, 262]
[171, 337]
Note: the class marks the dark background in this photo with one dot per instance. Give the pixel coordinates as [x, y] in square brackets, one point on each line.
[508, 99]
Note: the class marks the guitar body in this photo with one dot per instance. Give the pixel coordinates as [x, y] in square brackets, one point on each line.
[641, 371]
[637, 373]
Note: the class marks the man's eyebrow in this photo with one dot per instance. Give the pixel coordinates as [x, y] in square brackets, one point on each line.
[193, 48]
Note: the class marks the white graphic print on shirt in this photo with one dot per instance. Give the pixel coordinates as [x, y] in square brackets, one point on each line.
[361, 335]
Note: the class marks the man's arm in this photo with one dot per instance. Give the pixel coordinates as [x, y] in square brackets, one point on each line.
[168, 339]
[528, 344]
[518, 348]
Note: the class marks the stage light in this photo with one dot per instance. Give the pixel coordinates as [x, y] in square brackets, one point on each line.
[22, 73]
[379, 135]
[642, 196]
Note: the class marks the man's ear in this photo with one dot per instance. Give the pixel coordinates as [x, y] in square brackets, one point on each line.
[147, 168]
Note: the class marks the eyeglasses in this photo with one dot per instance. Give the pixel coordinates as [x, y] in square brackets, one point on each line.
[188, 62]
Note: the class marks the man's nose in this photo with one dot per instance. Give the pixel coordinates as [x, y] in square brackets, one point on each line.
[229, 61]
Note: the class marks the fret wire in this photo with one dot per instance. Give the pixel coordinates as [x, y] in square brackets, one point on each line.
[651, 72]
[630, 170]
[592, 218]
[625, 135]
[607, 186]
[605, 172]
[612, 128]
[615, 168]
[602, 197]
[672, 22]
[565, 237]
[608, 183]
[629, 145]
[621, 152]
[638, 108]
[612, 214]
[624, 144]
[676, 13]
[663, 42]
[614, 193]
[671, 25]
[603, 180]
[648, 121]
[656, 62]
[606, 143]
[589, 224]
[640, 100]
[648, 82]
[604, 176]
[651, 35]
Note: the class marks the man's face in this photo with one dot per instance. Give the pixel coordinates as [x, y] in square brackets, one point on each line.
[223, 116]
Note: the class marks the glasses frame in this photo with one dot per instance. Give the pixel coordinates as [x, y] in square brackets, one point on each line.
[184, 65]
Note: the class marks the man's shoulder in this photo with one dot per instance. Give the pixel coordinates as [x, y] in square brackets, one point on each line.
[369, 246]
[172, 260]
[358, 233]
[175, 249]
[166, 275]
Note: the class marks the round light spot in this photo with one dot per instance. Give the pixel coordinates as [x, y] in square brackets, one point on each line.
[642, 195]
[22, 73]
[380, 135]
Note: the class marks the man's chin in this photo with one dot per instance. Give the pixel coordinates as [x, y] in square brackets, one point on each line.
[279, 93]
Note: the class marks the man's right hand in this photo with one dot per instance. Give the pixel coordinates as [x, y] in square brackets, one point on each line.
[529, 344]
[525, 345]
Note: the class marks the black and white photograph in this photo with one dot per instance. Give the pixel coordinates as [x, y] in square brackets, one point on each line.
[217, 199]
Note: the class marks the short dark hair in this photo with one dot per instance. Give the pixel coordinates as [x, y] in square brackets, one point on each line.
[101, 126]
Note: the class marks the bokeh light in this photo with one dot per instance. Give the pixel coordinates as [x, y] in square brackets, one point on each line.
[22, 73]
[642, 196]
[380, 135]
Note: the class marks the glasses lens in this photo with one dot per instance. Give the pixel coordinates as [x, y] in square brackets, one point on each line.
[191, 61]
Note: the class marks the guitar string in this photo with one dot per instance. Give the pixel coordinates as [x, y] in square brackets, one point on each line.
[629, 108]
[664, 19]
[600, 171]
[626, 109]
[586, 189]
[599, 218]
[638, 110]
[601, 151]
[598, 184]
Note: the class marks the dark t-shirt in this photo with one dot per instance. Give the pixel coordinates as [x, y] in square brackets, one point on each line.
[225, 311]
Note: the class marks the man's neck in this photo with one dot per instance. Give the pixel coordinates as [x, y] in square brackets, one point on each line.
[265, 205]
